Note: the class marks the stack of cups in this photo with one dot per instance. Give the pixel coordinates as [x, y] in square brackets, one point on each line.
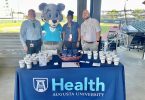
[102, 57]
[42, 60]
[22, 63]
[110, 57]
[28, 61]
[34, 60]
[95, 55]
[89, 54]
[29, 64]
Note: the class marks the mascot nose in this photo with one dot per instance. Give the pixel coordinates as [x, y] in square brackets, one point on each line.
[54, 21]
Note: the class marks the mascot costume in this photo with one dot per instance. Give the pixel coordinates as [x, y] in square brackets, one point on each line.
[51, 30]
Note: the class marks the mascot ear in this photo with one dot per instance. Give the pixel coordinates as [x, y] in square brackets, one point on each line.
[61, 7]
[42, 6]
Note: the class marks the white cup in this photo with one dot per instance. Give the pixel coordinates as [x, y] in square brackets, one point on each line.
[109, 60]
[102, 58]
[29, 65]
[42, 61]
[102, 61]
[95, 55]
[116, 61]
[89, 55]
[22, 63]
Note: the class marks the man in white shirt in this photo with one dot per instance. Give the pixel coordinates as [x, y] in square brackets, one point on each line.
[90, 32]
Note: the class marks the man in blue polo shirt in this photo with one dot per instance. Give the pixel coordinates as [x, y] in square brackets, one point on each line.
[30, 34]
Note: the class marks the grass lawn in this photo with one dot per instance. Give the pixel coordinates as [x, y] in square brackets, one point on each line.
[14, 27]
[10, 27]
[105, 28]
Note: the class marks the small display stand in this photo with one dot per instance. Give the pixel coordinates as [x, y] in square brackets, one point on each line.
[69, 53]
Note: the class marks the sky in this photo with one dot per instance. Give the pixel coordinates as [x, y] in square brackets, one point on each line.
[24, 5]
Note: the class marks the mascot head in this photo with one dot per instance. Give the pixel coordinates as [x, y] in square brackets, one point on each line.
[51, 13]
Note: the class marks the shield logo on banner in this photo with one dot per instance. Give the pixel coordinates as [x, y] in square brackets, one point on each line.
[40, 84]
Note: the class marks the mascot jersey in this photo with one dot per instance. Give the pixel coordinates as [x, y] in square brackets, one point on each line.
[52, 34]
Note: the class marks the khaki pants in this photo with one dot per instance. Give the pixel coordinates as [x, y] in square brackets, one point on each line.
[52, 46]
[89, 46]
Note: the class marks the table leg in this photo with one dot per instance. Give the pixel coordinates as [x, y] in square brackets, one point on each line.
[143, 57]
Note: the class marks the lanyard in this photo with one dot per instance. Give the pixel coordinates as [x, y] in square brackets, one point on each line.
[70, 30]
[33, 30]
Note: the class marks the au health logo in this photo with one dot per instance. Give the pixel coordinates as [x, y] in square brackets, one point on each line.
[40, 84]
[86, 84]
